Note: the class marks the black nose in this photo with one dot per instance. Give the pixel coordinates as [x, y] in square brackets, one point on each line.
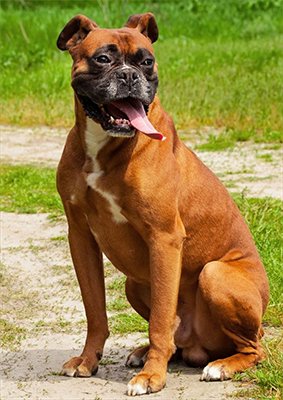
[128, 76]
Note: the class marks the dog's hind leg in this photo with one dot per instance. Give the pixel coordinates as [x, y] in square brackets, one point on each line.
[234, 302]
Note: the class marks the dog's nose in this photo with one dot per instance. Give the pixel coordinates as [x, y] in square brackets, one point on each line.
[128, 76]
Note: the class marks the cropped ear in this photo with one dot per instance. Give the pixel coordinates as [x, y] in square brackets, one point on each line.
[145, 23]
[75, 31]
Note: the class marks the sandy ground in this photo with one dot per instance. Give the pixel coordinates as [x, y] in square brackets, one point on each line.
[43, 297]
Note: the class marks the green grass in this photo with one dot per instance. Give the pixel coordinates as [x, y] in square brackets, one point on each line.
[271, 146]
[58, 325]
[28, 189]
[117, 284]
[11, 334]
[229, 137]
[116, 290]
[119, 304]
[220, 62]
[265, 157]
[268, 375]
[264, 217]
[130, 322]
[222, 141]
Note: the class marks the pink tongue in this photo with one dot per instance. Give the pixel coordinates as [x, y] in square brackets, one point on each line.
[137, 117]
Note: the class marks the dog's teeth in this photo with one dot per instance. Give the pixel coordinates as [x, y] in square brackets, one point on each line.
[112, 120]
[120, 121]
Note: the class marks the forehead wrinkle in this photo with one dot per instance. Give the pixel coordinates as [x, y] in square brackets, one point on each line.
[130, 40]
[127, 40]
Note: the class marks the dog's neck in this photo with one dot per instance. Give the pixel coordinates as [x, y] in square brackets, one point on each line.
[95, 138]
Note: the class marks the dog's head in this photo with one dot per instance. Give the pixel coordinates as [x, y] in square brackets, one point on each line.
[114, 72]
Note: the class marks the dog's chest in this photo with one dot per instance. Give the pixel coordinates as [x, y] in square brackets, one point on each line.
[116, 237]
[107, 201]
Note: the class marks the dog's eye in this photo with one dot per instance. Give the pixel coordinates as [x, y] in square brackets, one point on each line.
[148, 62]
[103, 59]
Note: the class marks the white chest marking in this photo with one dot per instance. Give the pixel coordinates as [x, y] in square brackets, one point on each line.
[96, 138]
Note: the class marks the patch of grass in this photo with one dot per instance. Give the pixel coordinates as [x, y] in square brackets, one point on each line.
[266, 157]
[268, 375]
[108, 361]
[62, 238]
[117, 284]
[242, 136]
[270, 136]
[116, 293]
[273, 146]
[257, 178]
[63, 269]
[11, 335]
[264, 217]
[123, 323]
[68, 282]
[119, 304]
[222, 141]
[244, 170]
[57, 326]
[230, 184]
[29, 189]
[109, 269]
[219, 64]
[229, 137]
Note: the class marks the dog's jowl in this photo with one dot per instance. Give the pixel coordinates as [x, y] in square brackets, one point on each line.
[133, 191]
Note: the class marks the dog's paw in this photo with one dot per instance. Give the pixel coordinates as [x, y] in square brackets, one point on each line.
[79, 367]
[214, 372]
[138, 357]
[144, 383]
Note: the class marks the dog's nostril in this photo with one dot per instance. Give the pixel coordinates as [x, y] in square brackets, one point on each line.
[123, 76]
[135, 76]
[128, 76]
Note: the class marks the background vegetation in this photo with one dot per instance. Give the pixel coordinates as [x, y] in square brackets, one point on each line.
[220, 62]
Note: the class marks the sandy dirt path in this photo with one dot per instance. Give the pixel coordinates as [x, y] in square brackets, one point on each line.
[42, 296]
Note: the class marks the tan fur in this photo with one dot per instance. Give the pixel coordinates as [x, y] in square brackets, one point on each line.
[181, 241]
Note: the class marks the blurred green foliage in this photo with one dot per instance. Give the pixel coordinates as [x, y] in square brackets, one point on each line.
[220, 62]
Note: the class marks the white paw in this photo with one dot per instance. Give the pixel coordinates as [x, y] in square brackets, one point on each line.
[136, 389]
[68, 371]
[80, 371]
[212, 373]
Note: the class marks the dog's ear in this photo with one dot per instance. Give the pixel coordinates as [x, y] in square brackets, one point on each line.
[146, 24]
[75, 31]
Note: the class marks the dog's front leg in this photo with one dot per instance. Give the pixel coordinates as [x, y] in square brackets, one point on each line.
[87, 259]
[165, 272]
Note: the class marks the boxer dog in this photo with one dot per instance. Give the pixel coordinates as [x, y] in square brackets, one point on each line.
[133, 191]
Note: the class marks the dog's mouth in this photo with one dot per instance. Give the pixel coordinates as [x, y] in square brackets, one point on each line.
[121, 117]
